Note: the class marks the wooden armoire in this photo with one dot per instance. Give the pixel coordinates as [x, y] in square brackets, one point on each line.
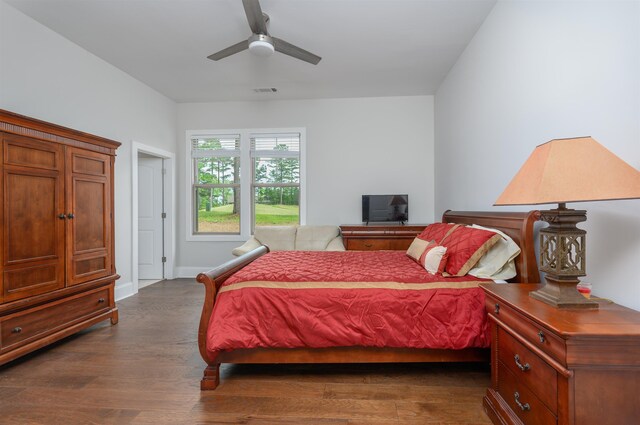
[57, 272]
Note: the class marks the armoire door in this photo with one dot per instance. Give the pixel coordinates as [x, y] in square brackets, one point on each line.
[88, 215]
[33, 225]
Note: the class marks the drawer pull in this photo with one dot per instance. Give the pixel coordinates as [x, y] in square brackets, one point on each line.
[368, 245]
[525, 407]
[101, 300]
[522, 367]
[541, 336]
[497, 309]
[16, 330]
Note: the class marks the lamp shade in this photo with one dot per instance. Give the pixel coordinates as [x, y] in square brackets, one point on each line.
[571, 170]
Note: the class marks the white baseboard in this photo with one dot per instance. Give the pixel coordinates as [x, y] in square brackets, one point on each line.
[190, 272]
[124, 290]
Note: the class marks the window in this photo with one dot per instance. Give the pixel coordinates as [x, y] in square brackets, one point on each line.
[240, 179]
[276, 179]
[216, 184]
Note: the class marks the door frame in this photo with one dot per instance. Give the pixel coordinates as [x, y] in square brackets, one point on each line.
[169, 207]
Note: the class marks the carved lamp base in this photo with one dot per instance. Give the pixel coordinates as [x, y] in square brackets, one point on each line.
[563, 294]
[563, 258]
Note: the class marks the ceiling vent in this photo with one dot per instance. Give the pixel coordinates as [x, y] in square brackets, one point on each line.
[266, 90]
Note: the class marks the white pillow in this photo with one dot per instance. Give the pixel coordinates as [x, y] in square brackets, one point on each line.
[498, 262]
[434, 259]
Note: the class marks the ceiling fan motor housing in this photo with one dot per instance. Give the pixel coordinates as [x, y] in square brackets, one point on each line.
[261, 45]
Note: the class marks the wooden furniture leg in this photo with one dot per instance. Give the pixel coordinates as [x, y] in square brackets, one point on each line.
[211, 377]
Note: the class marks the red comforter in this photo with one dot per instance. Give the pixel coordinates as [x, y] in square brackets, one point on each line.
[337, 299]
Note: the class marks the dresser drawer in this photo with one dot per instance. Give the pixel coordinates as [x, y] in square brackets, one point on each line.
[537, 335]
[25, 326]
[529, 369]
[523, 402]
[377, 244]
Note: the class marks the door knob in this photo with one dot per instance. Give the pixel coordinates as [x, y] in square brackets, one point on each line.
[70, 216]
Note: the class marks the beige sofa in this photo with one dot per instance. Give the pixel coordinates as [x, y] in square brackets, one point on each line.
[294, 238]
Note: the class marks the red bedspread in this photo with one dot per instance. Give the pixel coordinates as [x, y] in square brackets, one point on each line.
[338, 299]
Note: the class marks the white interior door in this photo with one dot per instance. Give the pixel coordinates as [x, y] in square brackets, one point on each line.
[150, 211]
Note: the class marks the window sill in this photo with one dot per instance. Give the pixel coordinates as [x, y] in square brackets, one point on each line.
[216, 238]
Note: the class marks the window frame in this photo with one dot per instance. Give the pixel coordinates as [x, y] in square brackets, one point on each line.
[247, 216]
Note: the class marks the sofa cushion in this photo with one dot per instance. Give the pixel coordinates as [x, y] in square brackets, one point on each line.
[277, 238]
[315, 238]
[336, 244]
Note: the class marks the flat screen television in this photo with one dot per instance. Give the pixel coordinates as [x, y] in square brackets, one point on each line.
[381, 208]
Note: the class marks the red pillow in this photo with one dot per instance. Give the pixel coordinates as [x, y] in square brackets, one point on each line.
[435, 232]
[465, 246]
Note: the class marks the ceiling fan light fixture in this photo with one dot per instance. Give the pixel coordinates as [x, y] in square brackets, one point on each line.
[261, 45]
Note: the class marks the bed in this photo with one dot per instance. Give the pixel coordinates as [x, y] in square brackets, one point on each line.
[238, 323]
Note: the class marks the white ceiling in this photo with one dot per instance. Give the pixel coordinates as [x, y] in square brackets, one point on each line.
[368, 47]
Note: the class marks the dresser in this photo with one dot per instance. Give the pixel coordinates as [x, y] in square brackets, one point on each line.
[376, 237]
[551, 366]
[57, 271]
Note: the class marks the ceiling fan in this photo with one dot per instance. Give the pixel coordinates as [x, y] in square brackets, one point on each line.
[260, 42]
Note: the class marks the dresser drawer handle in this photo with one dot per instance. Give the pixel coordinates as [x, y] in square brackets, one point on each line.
[541, 336]
[16, 330]
[522, 367]
[496, 310]
[525, 407]
[368, 245]
[101, 300]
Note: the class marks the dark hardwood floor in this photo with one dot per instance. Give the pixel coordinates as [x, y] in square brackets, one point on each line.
[146, 370]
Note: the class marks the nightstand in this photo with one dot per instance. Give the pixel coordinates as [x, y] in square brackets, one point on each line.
[551, 366]
[376, 237]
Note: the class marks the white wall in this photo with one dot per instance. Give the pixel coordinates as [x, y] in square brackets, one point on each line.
[45, 76]
[354, 147]
[536, 71]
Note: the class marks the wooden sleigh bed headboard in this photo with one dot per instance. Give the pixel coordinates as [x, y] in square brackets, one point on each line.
[518, 225]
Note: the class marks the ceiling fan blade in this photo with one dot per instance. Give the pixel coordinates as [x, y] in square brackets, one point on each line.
[255, 17]
[238, 47]
[295, 51]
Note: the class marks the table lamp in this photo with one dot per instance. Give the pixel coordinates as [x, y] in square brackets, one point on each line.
[561, 171]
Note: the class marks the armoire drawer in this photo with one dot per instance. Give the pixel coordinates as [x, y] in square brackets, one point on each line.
[25, 326]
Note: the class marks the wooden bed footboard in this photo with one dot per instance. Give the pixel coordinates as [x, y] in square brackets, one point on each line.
[518, 225]
[212, 280]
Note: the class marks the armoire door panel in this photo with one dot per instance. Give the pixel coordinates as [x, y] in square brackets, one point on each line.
[33, 237]
[33, 230]
[89, 233]
[26, 152]
[22, 282]
[89, 205]
[90, 268]
[84, 164]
